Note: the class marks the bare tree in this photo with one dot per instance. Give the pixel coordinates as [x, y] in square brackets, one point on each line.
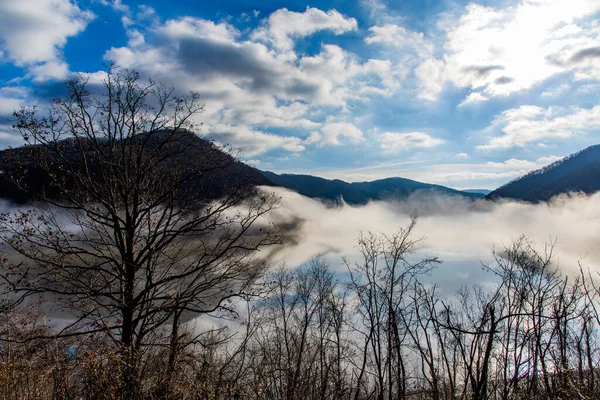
[383, 283]
[133, 227]
[299, 351]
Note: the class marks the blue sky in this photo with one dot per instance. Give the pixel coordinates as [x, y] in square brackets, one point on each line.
[464, 94]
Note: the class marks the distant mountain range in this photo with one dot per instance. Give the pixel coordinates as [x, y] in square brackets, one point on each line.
[360, 192]
[479, 191]
[579, 172]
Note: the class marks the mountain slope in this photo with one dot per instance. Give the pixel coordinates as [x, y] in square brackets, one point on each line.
[580, 172]
[360, 192]
[223, 173]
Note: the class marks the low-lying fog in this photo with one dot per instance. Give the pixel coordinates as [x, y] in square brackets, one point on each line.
[460, 233]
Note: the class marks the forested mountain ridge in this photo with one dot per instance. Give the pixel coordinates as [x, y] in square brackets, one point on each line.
[221, 174]
[360, 192]
[579, 172]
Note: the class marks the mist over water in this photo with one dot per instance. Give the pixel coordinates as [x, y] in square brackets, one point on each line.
[461, 233]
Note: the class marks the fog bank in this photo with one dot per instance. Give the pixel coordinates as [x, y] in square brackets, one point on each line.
[459, 232]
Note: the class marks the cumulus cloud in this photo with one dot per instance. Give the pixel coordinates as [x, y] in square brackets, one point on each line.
[392, 142]
[532, 124]
[253, 86]
[189, 27]
[50, 70]
[398, 36]
[431, 75]
[505, 50]
[332, 132]
[266, 112]
[407, 49]
[283, 26]
[11, 99]
[33, 33]
[253, 142]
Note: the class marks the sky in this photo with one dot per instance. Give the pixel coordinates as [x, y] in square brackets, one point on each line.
[463, 94]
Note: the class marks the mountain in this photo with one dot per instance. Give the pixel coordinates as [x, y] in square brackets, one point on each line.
[188, 152]
[579, 172]
[360, 192]
[483, 192]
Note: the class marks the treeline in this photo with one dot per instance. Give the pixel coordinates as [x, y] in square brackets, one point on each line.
[378, 331]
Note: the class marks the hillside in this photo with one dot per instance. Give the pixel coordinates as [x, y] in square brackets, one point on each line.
[579, 172]
[222, 172]
[360, 192]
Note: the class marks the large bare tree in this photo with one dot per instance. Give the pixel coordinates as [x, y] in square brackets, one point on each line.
[136, 222]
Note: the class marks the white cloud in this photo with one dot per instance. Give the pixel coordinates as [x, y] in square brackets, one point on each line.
[548, 160]
[460, 174]
[392, 142]
[556, 91]
[189, 27]
[332, 132]
[398, 36]
[116, 5]
[266, 112]
[283, 26]
[531, 124]
[130, 18]
[462, 156]
[194, 54]
[489, 174]
[33, 33]
[473, 98]
[431, 75]
[252, 84]
[11, 99]
[253, 142]
[253, 163]
[57, 70]
[136, 38]
[409, 52]
[512, 164]
[502, 51]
